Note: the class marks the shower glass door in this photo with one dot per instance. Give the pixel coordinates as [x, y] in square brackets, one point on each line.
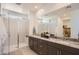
[17, 26]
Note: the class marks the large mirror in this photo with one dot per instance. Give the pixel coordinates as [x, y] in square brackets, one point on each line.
[62, 22]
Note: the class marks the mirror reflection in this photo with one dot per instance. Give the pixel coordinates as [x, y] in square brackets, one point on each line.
[61, 23]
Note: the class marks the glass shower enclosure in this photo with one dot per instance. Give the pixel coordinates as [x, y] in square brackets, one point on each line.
[13, 29]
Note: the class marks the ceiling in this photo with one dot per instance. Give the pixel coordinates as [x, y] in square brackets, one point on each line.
[65, 10]
[42, 8]
[34, 7]
[37, 8]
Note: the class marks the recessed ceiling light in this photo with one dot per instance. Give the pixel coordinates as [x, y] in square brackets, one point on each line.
[36, 7]
[42, 10]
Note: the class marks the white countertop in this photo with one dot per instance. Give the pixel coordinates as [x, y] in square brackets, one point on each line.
[59, 41]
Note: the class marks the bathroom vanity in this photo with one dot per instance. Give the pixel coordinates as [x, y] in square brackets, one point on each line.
[53, 46]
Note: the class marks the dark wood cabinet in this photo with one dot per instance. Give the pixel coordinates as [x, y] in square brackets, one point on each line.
[43, 47]
[35, 45]
[31, 42]
[53, 50]
[64, 52]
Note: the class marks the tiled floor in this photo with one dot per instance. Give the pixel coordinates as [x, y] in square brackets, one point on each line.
[23, 51]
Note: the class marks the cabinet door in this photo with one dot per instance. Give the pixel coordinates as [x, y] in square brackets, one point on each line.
[53, 51]
[42, 47]
[35, 45]
[31, 43]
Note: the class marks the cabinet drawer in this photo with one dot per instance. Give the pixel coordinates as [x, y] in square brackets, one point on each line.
[64, 52]
[53, 50]
[54, 45]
